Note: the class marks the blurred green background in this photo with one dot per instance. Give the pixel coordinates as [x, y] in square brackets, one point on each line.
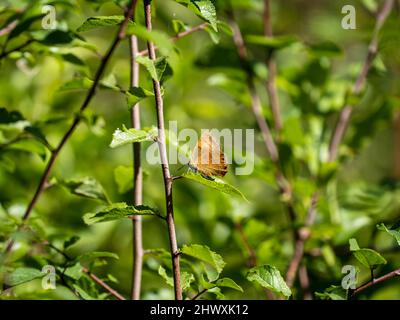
[207, 90]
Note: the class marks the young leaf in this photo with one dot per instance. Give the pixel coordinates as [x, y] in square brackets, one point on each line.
[90, 256]
[87, 187]
[367, 257]
[395, 233]
[215, 183]
[123, 177]
[22, 275]
[74, 272]
[117, 211]
[136, 94]
[332, 293]
[186, 278]
[269, 277]
[203, 253]
[156, 68]
[276, 43]
[204, 9]
[126, 136]
[229, 283]
[82, 293]
[100, 21]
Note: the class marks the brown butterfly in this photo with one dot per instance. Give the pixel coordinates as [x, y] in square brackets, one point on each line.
[207, 158]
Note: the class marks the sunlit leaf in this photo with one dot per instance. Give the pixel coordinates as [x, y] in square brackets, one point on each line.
[214, 183]
[126, 136]
[87, 187]
[395, 233]
[118, 211]
[203, 253]
[22, 275]
[269, 277]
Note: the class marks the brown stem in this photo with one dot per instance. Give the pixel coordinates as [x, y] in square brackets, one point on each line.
[272, 71]
[390, 275]
[137, 177]
[178, 36]
[103, 284]
[43, 180]
[100, 282]
[164, 163]
[305, 282]
[8, 28]
[345, 115]
[337, 136]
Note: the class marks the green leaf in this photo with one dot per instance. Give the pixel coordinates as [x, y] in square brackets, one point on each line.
[24, 25]
[269, 277]
[87, 187]
[156, 68]
[100, 21]
[395, 233]
[367, 257]
[275, 43]
[117, 211]
[325, 49]
[123, 177]
[74, 272]
[229, 283]
[32, 146]
[91, 256]
[57, 37]
[22, 275]
[203, 253]
[136, 94]
[214, 183]
[76, 84]
[332, 293]
[126, 136]
[204, 9]
[186, 278]
[82, 293]
[71, 241]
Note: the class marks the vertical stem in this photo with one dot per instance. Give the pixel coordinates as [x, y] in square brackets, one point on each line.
[272, 71]
[55, 153]
[137, 178]
[164, 163]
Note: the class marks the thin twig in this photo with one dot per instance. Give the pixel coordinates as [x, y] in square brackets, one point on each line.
[164, 163]
[199, 294]
[18, 48]
[8, 28]
[347, 111]
[103, 284]
[43, 180]
[390, 275]
[137, 177]
[178, 36]
[305, 282]
[338, 134]
[272, 71]
[95, 278]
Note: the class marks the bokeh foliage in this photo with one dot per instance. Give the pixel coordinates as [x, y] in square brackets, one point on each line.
[43, 85]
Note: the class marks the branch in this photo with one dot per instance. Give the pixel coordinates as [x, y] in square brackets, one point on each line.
[271, 64]
[390, 275]
[179, 36]
[137, 178]
[337, 137]
[18, 48]
[96, 279]
[164, 163]
[103, 284]
[345, 115]
[54, 155]
[8, 28]
[285, 188]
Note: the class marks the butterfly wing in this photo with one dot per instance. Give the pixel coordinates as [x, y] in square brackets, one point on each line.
[207, 157]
